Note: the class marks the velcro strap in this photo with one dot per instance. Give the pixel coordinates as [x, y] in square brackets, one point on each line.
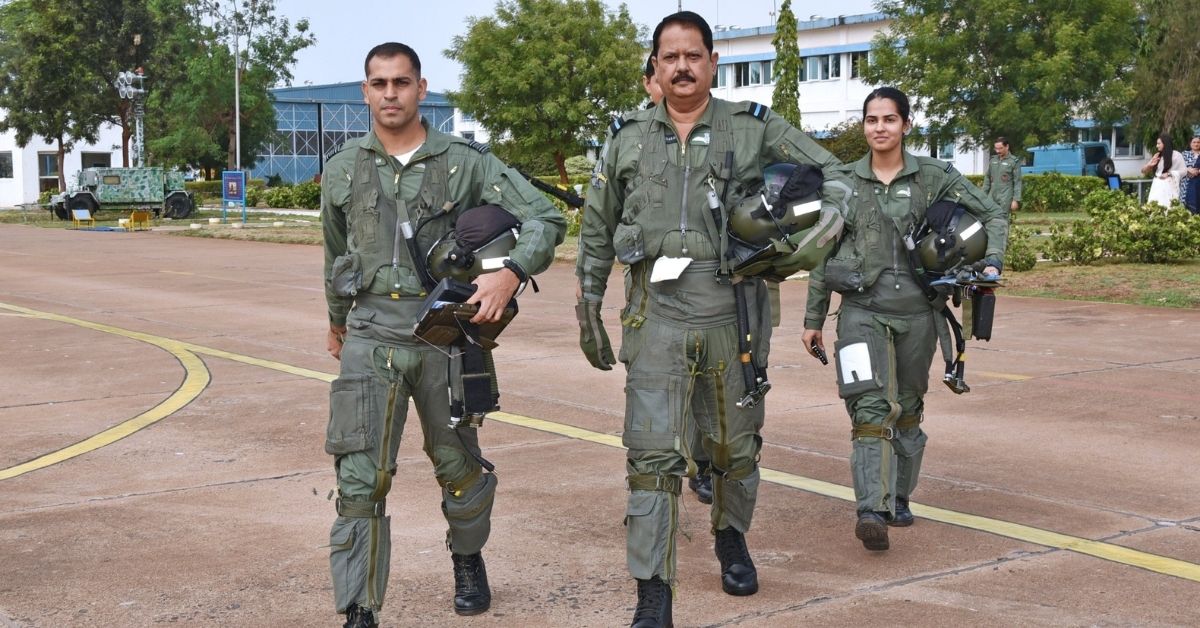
[664, 483]
[908, 422]
[360, 509]
[871, 430]
[734, 475]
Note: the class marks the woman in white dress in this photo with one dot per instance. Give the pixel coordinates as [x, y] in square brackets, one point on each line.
[1168, 168]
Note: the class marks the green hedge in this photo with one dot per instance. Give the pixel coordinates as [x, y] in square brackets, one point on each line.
[213, 188]
[1052, 192]
[1118, 226]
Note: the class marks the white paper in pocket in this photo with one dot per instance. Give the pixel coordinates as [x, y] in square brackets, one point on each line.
[855, 362]
[668, 268]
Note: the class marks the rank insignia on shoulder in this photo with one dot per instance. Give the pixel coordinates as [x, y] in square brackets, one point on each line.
[483, 148]
[616, 126]
[758, 111]
[949, 166]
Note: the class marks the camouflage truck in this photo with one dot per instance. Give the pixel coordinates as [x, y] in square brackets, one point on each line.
[125, 189]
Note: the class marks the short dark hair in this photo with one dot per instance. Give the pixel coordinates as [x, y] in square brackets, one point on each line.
[892, 94]
[687, 18]
[389, 50]
[1002, 140]
[648, 71]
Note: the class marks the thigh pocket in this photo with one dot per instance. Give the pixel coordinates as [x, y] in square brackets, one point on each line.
[653, 406]
[861, 365]
[353, 401]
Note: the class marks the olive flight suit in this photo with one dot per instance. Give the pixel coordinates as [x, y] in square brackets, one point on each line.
[1002, 182]
[651, 203]
[886, 326]
[374, 288]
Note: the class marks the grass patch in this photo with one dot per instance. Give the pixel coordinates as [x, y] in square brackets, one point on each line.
[1164, 285]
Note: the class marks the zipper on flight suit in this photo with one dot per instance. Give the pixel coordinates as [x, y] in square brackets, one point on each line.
[887, 194]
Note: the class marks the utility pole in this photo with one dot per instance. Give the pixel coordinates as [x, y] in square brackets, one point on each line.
[237, 95]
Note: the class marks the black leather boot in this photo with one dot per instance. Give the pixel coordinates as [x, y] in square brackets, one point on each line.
[654, 604]
[738, 575]
[471, 593]
[702, 484]
[359, 617]
[904, 516]
[871, 529]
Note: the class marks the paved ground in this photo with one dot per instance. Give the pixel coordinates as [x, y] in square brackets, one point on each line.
[1061, 491]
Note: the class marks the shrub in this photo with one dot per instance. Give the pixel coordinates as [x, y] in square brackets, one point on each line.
[1021, 255]
[579, 164]
[44, 197]
[279, 197]
[254, 194]
[1119, 226]
[1051, 192]
[307, 195]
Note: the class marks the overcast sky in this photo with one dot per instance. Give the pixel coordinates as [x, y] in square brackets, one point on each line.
[347, 29]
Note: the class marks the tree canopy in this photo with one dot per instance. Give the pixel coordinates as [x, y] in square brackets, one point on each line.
[1018, 68]
[48, 88]
[546, 76]
[1165, 92]
[785, 100]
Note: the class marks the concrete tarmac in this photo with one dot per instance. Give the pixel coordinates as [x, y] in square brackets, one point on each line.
[163, 403]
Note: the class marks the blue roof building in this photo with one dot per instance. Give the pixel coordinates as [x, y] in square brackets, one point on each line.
[314, 121]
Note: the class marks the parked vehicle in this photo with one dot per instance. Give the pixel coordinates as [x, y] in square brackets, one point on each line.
[1082, 158]
[160, 191]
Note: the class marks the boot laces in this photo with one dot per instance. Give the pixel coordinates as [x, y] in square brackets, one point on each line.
[650, 599]
[466, 573]
[731, 548]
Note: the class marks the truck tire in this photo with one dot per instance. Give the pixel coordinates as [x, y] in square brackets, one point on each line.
[60, 212]
[178, 205]
[1107, 168]
[80, 201]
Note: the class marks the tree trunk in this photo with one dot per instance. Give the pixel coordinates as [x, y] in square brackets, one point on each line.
[60, 156]
[560, 160]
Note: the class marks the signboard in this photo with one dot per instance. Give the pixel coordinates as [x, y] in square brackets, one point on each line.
[233, 186]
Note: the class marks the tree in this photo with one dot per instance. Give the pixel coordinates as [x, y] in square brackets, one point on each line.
[195, 123]
[846, 141]
[1165, 97]
[1018, 68]
[547, 75]
[785, 100]
[47, 88]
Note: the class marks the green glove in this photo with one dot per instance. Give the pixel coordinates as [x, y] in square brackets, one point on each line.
[592, 337]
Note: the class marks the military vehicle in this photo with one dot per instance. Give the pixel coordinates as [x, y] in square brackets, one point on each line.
[160, 191]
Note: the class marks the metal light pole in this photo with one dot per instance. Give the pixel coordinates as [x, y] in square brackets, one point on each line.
[237, 95]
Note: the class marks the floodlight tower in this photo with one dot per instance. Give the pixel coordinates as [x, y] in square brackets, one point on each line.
[130, 86]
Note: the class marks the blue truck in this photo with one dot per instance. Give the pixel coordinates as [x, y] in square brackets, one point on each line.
[1080, 158]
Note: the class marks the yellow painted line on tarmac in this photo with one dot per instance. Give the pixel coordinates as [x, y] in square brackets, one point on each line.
[1012, 377]
[195, 380]
[198, 377]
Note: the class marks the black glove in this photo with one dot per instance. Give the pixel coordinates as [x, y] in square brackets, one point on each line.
[592, 337]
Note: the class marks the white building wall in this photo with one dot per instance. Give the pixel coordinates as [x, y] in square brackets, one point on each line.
[22, 188]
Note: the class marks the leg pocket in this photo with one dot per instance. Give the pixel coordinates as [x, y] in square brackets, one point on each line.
[353, 401]
[653, 408]
[861, 364]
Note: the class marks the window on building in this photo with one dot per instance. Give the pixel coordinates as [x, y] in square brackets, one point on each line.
[95, 160]
[749, 73]
[721, 77]
[858, 63]
[47, 171]
[468, 135]
[1125, 145]
[306, 143]
[6, 165]
[466, 117]
[822, 67]
[946, 151]
[767, 72]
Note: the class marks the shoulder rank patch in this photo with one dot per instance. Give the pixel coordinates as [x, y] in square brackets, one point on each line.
[949, 166]
[483, 148]
[758, 111]
[616, 126]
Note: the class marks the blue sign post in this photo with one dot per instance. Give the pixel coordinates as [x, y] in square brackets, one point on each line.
[233, 192]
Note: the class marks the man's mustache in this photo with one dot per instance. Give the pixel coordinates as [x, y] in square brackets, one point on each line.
[683, 76]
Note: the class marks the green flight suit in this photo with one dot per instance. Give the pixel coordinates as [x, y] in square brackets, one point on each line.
[651, 200]
[366, 195]
[889, 327]
[1002, 181]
